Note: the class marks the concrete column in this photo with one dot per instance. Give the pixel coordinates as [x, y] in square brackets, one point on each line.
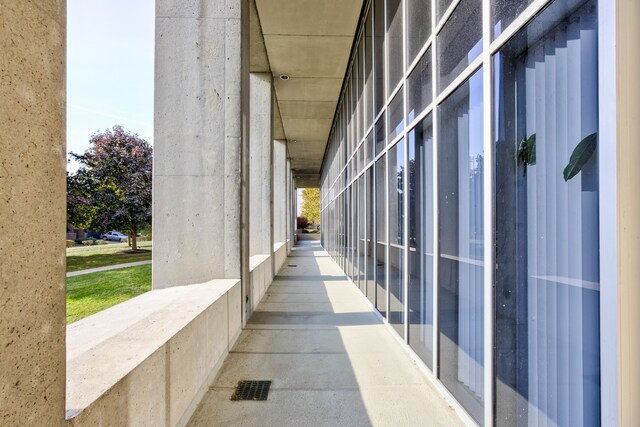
[201, 78]
[289, 187]
[261, 165]
[280, 198]
[32, 212]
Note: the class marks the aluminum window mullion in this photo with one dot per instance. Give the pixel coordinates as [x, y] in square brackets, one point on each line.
[405, 178]
[489, 231]
[435, 201]
[386, 160]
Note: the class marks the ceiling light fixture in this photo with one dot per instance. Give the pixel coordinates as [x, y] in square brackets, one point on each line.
[284, 77]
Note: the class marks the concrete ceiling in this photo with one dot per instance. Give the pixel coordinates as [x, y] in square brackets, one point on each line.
[310, 41]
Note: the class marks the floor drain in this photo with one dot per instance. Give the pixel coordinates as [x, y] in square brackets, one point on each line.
[292, 265]
[251, 390]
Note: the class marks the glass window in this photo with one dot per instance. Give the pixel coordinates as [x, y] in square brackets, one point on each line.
[418, 26]
[547, 288]
[396, 115]
[420, 253]
[380, 95]
[381, 236]
[381, 140]
[353, 134]
[419, 87]
[362, 246]
[460, 41]
[360, 90]
[503, 12]
[369, 148]
[348, 233]
[371, 264]
[461, 237]
[396, 237]
[394, 36]
[368, 67]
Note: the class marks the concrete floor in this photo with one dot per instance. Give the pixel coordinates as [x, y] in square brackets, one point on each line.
[331, 361]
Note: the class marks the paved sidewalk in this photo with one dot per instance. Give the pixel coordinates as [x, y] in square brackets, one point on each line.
[107, 268]
[330, 359]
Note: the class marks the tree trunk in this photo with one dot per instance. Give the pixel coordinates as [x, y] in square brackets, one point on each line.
[134, 239]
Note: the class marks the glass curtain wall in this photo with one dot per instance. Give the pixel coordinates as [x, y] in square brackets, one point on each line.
[474, 228]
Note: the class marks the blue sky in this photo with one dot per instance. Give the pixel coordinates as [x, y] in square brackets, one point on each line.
[110, 51]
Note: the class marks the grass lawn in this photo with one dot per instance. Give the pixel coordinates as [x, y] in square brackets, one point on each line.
[90, 293]
[81, 258]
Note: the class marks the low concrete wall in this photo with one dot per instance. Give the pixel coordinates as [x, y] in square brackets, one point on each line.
[149, 360]
[280, 254]
[261, 277]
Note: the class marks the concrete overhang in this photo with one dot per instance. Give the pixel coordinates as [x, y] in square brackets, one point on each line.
[309, 41]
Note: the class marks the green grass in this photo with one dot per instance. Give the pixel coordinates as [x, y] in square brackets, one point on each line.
[81, 258]
[90, 293]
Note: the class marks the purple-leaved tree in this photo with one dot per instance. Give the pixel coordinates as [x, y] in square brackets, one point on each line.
[112, 187]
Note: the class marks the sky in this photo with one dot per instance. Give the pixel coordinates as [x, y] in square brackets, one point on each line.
[110, 52]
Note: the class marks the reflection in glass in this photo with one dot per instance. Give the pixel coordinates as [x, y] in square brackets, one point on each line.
[420, 254]
[418, 26]
[461, 236]
[380, 95]
[381, 236]
[369, 148]
[460, 41]
[394, 36]
[396, 237]
[547, 249]
[419, 87]
[396, 116]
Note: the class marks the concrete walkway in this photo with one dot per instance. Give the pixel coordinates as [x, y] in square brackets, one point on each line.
[330, 360]
[107, 268]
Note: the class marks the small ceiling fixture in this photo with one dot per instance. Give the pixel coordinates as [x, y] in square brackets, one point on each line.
[284, 77]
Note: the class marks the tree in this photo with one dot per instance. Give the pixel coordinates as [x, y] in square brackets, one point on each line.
[112, 187]
[311, 204]
[302, 222]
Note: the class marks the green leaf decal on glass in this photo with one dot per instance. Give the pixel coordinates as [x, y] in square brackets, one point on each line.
[527, 151]
[580, 156]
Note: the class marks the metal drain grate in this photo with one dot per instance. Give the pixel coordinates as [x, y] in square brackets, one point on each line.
[251, 390]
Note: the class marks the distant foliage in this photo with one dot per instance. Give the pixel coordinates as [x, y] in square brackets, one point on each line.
[303, 222]
[112, 188]
[311, 204]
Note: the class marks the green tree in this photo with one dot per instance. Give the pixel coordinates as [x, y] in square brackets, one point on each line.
[112, 188]
[311, 204]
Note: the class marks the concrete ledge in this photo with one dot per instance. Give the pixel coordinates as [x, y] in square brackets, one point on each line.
[280, 254]
[149, 360]
[261, 276]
